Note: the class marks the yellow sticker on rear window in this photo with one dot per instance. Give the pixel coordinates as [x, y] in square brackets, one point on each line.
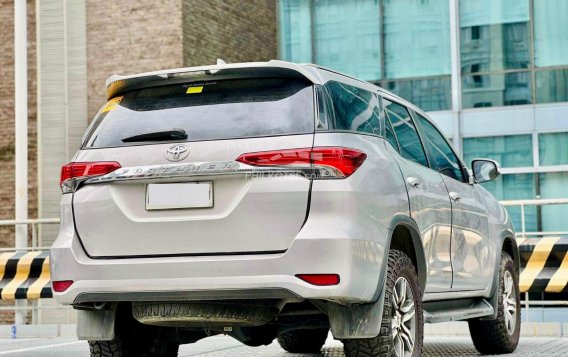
[194, 90]
[112, 104]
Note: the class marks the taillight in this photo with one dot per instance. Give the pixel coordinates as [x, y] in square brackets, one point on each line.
[74, 172]
[330, 162]
[320, 279]
[61, 285]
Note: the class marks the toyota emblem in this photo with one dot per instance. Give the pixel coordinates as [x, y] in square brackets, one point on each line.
[177, 153]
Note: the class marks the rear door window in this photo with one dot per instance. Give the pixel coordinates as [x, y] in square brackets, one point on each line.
[405, 131]
[216, 110]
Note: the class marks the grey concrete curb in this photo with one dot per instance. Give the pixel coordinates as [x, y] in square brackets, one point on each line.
[38, 331]
[528, 329]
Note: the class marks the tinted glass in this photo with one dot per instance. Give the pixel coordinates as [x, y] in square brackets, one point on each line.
[348, 37]
[442, 158]
[508, 151]
[416, 38]
[295, 30]
[479, 91]
[352, 108]
[553, 149]
[427, 94]
[550, 33]
[494, 35]
[553, 185]
[406, 134]
[552, 86]
[208, 111]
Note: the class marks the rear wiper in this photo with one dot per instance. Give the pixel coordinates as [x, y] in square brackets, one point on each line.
[174, 134]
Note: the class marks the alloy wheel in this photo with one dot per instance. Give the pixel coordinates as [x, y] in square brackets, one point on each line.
[509, 302]
[403, 318]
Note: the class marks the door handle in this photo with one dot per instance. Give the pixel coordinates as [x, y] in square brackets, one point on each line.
[413, 181]
[454, 196]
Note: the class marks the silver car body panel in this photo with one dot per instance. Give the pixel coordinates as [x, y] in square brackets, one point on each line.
[264, 229]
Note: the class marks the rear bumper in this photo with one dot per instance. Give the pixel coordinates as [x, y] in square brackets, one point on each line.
[358, 262]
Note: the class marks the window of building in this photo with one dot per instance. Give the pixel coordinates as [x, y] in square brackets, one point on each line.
[406, 134]
[530, 186]
[492, 90]
[550, 33]
[347, 36]
[552, 86]
[553, 185]
[553, 149]
[494, 47]
[516, 187]
[295, 30]
[352, 108]
[429, 94]
[417, 38]
[442, 157]
[509, 151]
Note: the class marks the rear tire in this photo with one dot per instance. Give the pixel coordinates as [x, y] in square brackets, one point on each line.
[398, 324]
[303, 341]
[501, 335]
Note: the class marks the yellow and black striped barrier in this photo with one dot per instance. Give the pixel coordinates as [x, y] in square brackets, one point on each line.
[544, 268]
[25, 275]
[544, 264]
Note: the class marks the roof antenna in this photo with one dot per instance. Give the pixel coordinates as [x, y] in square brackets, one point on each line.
[220, 62]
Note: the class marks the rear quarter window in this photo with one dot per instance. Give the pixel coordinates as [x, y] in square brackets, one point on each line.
[216, 110]
[350, 108]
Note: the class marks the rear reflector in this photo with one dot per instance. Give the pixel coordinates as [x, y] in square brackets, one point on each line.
[84, 170]
[343, 162]
[62, 285]
[320, 279]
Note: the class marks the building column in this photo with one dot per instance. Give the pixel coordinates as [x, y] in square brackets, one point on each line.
[21, 133]
[456, 73]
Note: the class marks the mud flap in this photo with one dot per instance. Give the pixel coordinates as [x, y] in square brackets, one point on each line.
[356, 321]
[96, 325]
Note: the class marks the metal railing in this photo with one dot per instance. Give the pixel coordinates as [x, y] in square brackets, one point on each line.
[34, 223]
[35, 306]
[534, 202]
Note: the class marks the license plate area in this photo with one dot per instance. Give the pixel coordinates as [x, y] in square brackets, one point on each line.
[179, 195]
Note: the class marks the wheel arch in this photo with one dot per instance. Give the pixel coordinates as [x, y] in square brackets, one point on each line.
[510, 247]
[405, 236]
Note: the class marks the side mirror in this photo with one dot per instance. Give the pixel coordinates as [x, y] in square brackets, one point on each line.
[485, 170]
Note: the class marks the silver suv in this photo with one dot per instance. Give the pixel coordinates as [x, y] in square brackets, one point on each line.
[277, 200]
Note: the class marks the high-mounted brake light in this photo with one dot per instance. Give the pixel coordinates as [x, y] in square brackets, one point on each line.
[74, 172]
[330, 162]
[320, 279]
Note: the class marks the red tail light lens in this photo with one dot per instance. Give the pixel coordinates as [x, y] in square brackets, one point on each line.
[320, 279]
[346, 161]
[62, 285]
[84, 170]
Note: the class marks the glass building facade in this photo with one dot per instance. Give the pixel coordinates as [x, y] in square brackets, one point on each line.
[492, 73]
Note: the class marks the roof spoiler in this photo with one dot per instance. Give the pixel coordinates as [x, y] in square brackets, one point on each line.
[117, 84]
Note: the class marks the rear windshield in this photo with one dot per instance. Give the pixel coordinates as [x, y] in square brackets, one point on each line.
[224, 109]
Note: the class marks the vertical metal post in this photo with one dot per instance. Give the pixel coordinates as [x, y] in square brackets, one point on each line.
[527, 303]
[455, 73]
[21, 118]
